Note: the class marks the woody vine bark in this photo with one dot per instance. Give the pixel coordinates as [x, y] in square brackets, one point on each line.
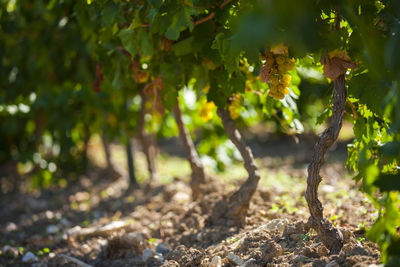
[198, 173]
[234, 210]
[330, 236]
[147, 141]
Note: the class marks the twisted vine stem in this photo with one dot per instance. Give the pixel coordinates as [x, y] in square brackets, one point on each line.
[331, 237]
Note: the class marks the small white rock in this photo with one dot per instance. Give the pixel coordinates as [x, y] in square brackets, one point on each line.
[235, 259]
[11, 227]
[275, 225]
[29, 257]
[216, 261]
[181, 197]
[51, 229]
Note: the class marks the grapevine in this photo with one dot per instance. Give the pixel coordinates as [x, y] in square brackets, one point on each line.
[274, 72]
[234, 106]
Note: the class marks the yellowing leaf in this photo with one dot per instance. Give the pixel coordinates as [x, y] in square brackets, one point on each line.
[336, 63]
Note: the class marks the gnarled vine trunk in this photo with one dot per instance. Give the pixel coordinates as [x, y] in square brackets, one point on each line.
[235, 209]
[330, 236]
[198, 173]
[147, 141]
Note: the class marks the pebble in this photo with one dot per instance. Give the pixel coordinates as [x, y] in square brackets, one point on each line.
[181, 197]
[250, 263]
[163, 249]
[147, 254]
[332, 264]
[216, 261]
[136, 236]
[10, 250]
[29, 257]
[235, 259]
[11, 227]
[51, 229]
[65, 222]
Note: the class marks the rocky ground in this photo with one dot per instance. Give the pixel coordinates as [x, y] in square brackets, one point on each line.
[95, 222]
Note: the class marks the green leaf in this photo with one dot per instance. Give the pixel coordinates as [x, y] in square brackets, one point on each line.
[156, 3]
[388, 182]
[127, 37]
[183, 47]
[146, 43]
[181, 20]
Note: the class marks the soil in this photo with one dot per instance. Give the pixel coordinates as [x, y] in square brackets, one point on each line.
[96, 222]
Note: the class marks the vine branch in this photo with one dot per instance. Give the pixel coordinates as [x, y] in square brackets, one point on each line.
[330, 236]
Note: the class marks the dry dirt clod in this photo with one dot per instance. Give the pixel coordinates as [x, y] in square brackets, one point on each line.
[272, 250]
[322, 251]
[118, 246]
[357, 251]
[185, 256]
[297, 228]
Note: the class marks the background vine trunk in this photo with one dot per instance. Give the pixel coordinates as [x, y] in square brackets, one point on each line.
[198, 173]
[330, 236]
[107, 151]
[236, 207]
[147, 141]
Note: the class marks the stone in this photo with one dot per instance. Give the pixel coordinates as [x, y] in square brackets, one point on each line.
[170, 263]
[235, 259]
[275, 225]
[250, 263]
[332, 264]
[29, 257]
[181, 197]
[216, 261]
[11, 227]
[51, 229]
[135, 237]
[156, 260]
[147, 254]
[65, 222]
[10, 250]
[163, 249]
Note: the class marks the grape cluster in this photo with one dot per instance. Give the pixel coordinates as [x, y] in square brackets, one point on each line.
[206, 110]
[234, 106]
[274, 72]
